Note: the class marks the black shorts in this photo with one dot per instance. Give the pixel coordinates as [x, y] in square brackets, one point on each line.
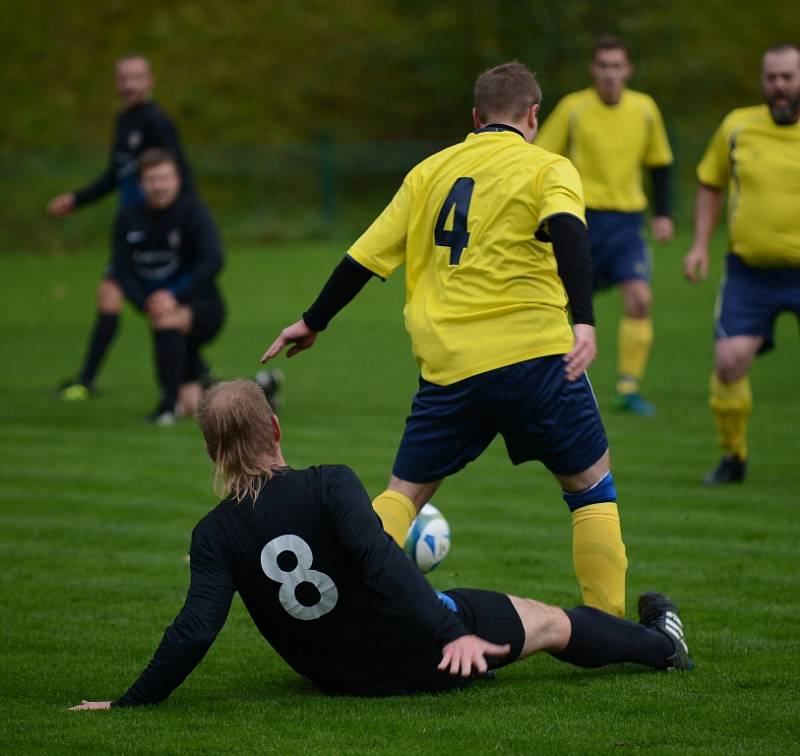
[208, 315]
[487, 614]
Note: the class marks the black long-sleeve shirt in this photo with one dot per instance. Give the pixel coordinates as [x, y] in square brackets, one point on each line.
[325, 585]
[135, 130]
[177, 248]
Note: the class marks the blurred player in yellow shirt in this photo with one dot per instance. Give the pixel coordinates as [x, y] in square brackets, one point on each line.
[492, 235]
[756, 154]
[611, 133]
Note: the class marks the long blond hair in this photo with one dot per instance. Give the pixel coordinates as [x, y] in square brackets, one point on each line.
[236, 421]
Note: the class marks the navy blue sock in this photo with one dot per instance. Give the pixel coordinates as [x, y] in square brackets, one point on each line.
[105, 328]
[599, 639]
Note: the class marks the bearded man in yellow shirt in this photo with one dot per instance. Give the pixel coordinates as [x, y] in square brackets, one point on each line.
[756, 153]
[492, 234]
[610, 133]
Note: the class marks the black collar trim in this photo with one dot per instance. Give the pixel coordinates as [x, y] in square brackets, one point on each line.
[498, 127]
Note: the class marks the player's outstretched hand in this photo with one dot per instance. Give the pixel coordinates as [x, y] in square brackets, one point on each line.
[695, 264]
[583, 352]
[662, 227]
[62, 205]
[298, 334]
[91, 706]
[468, 653]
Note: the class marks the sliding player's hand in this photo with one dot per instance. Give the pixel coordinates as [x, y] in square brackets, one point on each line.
[91, 706]
[583, 352]
[467, 654]
[298, 334]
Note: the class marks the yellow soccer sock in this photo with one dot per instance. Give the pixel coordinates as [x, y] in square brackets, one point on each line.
[634, 337]
[731, 403]
[599, 557]
[397, 512]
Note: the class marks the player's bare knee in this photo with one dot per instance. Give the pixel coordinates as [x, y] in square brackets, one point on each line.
[109, 297]
[637, 298]
[547, 628]
[730, 371]
[731, 360]
[418, 493]
[588, 477]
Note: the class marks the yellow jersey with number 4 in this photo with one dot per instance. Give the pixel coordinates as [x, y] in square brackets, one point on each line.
[609, 145]
[760, 163]
[482, 291]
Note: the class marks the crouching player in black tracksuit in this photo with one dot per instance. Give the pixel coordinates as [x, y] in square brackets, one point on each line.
[141, 125]
[167, 254]
[339, 600]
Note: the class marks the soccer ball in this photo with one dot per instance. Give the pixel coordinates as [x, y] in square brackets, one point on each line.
[428, 539]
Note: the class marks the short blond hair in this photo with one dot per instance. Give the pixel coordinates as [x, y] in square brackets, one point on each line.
[506, 91]
[236, 421]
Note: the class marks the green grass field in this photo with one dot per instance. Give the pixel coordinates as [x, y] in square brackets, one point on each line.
[97, 509]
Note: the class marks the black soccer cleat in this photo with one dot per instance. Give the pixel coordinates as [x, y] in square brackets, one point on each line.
[270, 382]
[731, 469]
[657, 612]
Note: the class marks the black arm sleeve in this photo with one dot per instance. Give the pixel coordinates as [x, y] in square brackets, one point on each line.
[382, 562]
[661, 177]
[189, 637]
[571, 248]
[207, 257]
[123, 271]
[347, 279]
[106, 182]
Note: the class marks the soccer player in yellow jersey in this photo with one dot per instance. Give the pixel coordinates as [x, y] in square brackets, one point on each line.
[492, 235]
[610, 133]
[756, 153]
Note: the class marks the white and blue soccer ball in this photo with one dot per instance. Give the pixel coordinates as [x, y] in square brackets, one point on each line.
[428, 539]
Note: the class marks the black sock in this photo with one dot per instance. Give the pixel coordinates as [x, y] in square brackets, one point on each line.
[105, 328]
[170, 346]
[599, 638]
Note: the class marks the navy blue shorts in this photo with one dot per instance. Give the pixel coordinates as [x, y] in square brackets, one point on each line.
[538, 412]
[619, 252]
[750, 299]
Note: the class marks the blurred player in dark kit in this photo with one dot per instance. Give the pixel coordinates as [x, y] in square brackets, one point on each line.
[140, 125]
[167, 255]
[340, 601]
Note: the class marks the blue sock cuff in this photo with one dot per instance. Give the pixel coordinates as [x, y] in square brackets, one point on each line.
[600, 493]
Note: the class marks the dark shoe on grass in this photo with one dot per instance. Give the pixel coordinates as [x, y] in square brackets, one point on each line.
[731, 469]
[658, 612]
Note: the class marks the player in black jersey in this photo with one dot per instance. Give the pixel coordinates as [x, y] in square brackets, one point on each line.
[139, 126]
[339, 600]
[167, 254]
